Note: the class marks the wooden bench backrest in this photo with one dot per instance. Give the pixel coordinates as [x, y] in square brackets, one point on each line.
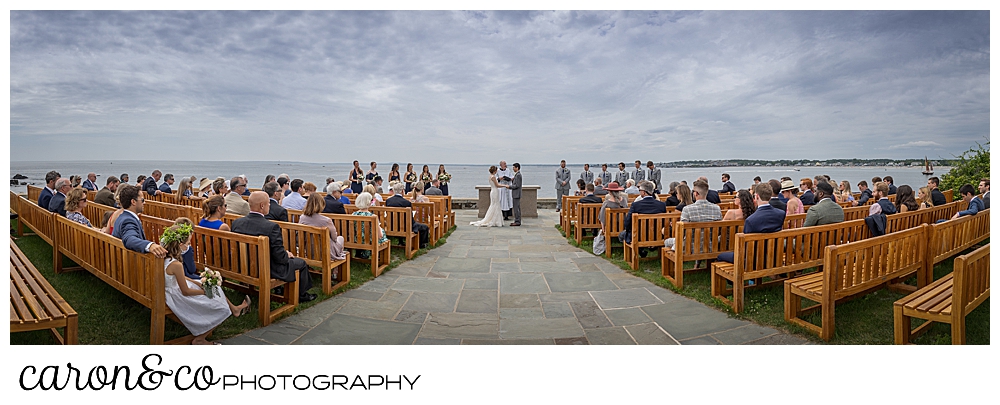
[170, 211]
[971, 281]
[614, 221]
[792, 249]
[852, 268]
[357, 230]
[34, 193]
[309, 243]
[933, 214]
[37, 218]
[705, 240]
[397, 221]
[949, 195]
[794, 221]
[949, 238]
[95, 213]
[426, 213]
[588, 216]
[652, 229]
[852, 213]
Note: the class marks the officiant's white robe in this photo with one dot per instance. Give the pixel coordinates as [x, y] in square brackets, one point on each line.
[506, 201]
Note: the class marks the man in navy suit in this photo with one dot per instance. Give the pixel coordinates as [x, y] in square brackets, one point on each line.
[168, 181]
[937, 197]
[89, 183]
[892, 187]
[398, 201]
[149, 186]
[646, 204]
[727, 186]
[58, 201]
[775, 200]
[976, 204]
[49, 189]
[713, 196]
[332, 198]
[766, 219]
[881, 196]
[128, 228]
[807, 197]
[276, 212]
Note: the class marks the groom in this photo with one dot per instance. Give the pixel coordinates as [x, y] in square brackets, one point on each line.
[515, 192]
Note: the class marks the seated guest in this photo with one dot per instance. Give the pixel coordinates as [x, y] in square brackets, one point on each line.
[794, 205]
[937, 197]
[307, 189]
[168, 181]
[875, 180]
[892, 187]
[435, 188]
[845, 194]
[756, 181]
[140, 181]
[700, 211]
[275, 212]
[397, 200]
[364, 202]
[76, 201]
[187, 254]
[184, 188]
[905, 201]
[345, 188]
[684, 196]
[417, 194]
[294, 200]
[107, 194]
[881, 196]
[590, 198]
[246, 190]
[149, 184]
[128, 227]
[647, 204]
[284, 266]
[727, 186]
[744, 206]
[312, 216]
[777, 199]
[333, 204]
[269, 178]
[765, 219]
[213, 209]
[599, 187]
[74, 181]
[205, 187]
[866, 194]
[376, 197]
[807, 198]
[976, 204]
[377, 181]
[672, 200]
[286, 188]
[713, 196]
[614, 199]
[235, 204]
[89, 183]
[630, 188]
[924, 198]
[123, 178]
[825, 211]
[49, 189]
[106, 222]
[58, 201]
[581, 188]
[984, 189]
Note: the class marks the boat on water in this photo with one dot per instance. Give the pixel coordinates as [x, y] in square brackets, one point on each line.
[928, 167]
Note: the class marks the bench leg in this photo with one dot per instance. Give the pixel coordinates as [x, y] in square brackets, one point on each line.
[70, 333]
[679, 273]
[901, 326]
[957, 329]
[738, 294]
[719, 288]
[827, 319]
[793, 303]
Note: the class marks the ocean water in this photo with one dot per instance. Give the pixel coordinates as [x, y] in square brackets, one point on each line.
[464, 177]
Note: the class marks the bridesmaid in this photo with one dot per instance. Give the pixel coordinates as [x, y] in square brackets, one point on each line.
[410, 177]
[372, 174]
[356, 178]
[444, 183]
[394, 173]
[426, 177]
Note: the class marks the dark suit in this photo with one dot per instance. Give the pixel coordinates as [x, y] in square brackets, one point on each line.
[672, 201]
[892, 189]
[421, 229]
[986, 200]
[277, 212]
[713, 197]
[515, 194]
[58, 204]
[937, 197]
[129, 230]
[865, 195]
[44, 198]
[593, 199]
[808, 198]
[282, 266]
[333, 205]
[149, 186]
[728, 187]
[89, 185]
[766, 219]
[165, 188]
[975, 205]
[887, 207]
[776, 203]
[646, 205]
[106, 197]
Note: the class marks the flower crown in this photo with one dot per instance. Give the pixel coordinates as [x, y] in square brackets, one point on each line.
[176, 234]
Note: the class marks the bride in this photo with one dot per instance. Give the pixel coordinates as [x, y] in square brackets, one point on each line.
[494, 217]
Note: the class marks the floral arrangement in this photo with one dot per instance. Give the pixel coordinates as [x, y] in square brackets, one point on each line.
[176, 233]
[444, 178]
[210, 282]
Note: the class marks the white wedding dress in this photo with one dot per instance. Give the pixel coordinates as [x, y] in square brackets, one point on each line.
[494, 216]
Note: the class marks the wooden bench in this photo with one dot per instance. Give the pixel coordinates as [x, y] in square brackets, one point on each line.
[854, 269]
[648, 231]
[426, 213]
[312, 244]
[697, 241]
[36, 218]
[35, 304]
[587, 218]
[361, 232]
[243, 260]
[445, 209]
[614, 224]
[33, 193]
[568, 214]
[398, 222]
[951, 237]
[947, 300]
[759, 255]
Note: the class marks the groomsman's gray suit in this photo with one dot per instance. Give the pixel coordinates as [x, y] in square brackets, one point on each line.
[638, 175]
[654, 176]
[621, 178]
[605, 177]
[588, 177]
[515, 193]
[562, 175]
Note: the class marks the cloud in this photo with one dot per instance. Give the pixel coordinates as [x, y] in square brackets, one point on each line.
[916, 144]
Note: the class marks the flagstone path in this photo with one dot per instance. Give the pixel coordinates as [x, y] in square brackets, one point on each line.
[511, 285]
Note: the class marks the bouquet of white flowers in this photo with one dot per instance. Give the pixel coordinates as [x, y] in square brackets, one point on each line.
[210, 282]
[444, 178]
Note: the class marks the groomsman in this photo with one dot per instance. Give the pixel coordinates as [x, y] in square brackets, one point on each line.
[605, 175]
[654, 177]
[622, 175]
[587, 176]
[638, 175]
[562, 183]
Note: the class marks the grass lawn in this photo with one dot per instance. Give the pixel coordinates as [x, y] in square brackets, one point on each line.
[107, 316]
[865, 320]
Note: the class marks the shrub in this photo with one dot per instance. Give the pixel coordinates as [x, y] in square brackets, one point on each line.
[973, 165]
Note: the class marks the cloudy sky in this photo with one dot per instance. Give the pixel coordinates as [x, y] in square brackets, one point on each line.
[465, 87]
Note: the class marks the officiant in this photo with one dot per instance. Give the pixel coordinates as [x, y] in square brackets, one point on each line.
[504, 177]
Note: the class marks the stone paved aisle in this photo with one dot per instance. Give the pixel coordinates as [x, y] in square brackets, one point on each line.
[520, 285]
